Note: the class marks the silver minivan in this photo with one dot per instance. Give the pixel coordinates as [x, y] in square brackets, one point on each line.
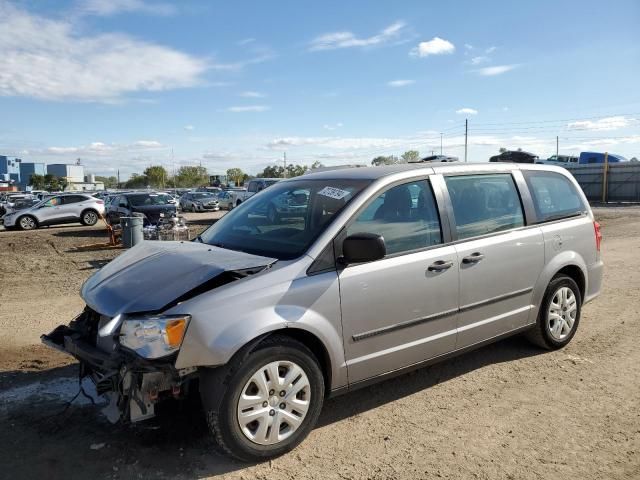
[376, 271]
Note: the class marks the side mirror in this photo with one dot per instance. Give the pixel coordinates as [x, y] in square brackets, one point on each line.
[363, 247]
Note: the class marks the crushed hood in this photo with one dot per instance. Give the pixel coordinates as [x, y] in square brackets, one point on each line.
[153, 274]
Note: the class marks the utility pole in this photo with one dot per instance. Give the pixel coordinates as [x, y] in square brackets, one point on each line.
[440, 143]
[118, 178]
[557, 146]
[284, 159]
[466, 132]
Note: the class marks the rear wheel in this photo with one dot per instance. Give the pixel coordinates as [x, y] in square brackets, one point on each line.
[89, 218]
[27, 223]
[264, 403]
[559, 314]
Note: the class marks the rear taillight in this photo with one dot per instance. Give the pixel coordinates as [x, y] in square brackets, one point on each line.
[596, 228]
[100, 202]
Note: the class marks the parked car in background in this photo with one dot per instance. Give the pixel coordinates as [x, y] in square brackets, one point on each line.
[515, 156]
[587, 158]
[382, 270]
[57, 210]
[559, 160]
[254, 186]
[225, 200]
[151, 205]
[199, 202]
[436, 158]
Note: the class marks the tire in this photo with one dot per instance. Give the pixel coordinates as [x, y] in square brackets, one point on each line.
[89, 218]
[27, 222]
[245, 432]
[556, 325]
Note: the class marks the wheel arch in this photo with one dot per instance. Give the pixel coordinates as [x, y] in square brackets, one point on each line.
[568, 263]
[35, 219]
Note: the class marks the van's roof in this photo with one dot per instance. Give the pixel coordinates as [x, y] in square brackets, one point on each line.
[374, 173]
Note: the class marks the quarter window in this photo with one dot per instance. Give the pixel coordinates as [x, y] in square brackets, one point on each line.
[484, 204]
[405, 215]
[554, 196]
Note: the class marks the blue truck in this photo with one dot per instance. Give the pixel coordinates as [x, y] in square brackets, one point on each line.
[596, 157]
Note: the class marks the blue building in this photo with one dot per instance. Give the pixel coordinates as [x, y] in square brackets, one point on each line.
[30, 168]
[10, 168]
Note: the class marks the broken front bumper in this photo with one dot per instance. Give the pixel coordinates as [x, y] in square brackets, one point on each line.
[132, 385]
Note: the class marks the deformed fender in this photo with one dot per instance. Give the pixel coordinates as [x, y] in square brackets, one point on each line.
[552, 267]
[222, 324]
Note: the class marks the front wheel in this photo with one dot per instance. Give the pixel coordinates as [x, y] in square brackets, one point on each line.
[559, 314]
[27, 223]
[264, 403]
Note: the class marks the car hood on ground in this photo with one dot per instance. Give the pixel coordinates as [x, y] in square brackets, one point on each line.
[153, 274]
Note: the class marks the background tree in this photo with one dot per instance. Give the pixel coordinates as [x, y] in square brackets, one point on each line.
[317, 164]
[37, 182]
[53, 183]
[382, 160]
[502, 150]
[137, 181]
[191, 177]
[156, 176]
[272, 171]
[236, 176]
[410, 156]
[109, 182]
[295, 170]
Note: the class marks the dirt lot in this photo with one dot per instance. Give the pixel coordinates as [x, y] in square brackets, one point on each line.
[505, 411]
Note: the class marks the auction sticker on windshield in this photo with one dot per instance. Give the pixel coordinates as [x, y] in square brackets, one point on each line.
[332, 192]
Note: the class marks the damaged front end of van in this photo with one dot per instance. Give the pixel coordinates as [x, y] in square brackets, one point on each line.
[125, 342]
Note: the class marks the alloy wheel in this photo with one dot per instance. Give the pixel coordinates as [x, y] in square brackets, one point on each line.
[562, 313]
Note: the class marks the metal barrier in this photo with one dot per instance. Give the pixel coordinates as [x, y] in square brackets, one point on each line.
[620, 182]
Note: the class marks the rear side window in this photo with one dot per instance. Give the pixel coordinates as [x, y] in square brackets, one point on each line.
[68, 199]
[484, 204]
[405, 215]
[554, 196]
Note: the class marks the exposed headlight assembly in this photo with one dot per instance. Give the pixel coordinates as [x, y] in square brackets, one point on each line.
[154, 336]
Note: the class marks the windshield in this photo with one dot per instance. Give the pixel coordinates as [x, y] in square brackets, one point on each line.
[148, 199]
[203, 195]
[285, 219]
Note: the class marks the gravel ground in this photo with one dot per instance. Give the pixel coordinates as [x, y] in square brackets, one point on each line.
[504, 411]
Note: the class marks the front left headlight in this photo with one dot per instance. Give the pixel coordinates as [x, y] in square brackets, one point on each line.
[154, 336]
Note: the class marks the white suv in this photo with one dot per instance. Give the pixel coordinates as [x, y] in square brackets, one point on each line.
[69, 208]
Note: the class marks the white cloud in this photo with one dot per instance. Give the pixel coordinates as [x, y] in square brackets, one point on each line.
[336, 142]
[496, 70]
[480, 59]
[607, 123]
[245, 41]
[468, 46]
[332, 127]
[189, 128]
[262, 56]
[490, 50]
[467, 111]
[251, 94]
[107, 8]
[248, 108]
[400, 83]
[435, 46]
[101, 149]
[51, 60]
[345, 39]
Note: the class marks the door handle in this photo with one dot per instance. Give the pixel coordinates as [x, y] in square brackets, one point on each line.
[473, 258]
[440, 266]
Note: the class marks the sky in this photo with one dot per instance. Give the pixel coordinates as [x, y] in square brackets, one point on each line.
[124, 84]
